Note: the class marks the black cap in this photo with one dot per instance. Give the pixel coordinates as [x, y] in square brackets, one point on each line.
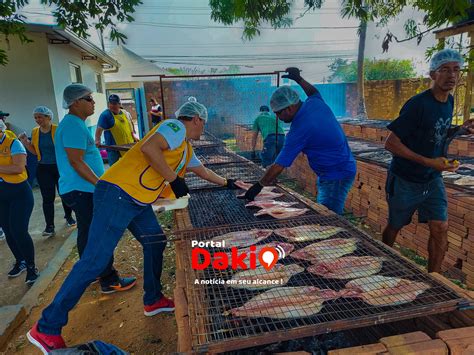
[4, 114]
[114, 99]
[264, 108]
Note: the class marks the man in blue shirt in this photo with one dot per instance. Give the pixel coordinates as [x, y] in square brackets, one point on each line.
[419, 141]
[80, 166]
[315, 132]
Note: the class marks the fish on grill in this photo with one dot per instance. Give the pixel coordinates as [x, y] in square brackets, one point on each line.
[307, 233]
[380, 290]
[286, 302]
[264, 196]
[270, 203]
[347, 267]
[326, 250]
[241, 239]
[285, 249]
[245, 186]
[250, 279]
[281, 212]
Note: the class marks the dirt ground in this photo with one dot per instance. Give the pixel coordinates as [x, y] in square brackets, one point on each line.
[116, 318]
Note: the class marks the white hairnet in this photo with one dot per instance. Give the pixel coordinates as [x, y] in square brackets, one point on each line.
[3, 126]
[445, 56]
[74, 92]
[43, 110]
[283, 97]
[191, 109]
[192, 99]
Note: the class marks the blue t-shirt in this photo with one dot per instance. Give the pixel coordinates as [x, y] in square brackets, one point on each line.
[46, 147]
[106, 122]
[72, 132]
[316, 132]
[422, 126]
[174, 133]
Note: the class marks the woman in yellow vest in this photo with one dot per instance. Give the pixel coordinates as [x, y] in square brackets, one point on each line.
[42, 145]
[16, 205]
[154, 168]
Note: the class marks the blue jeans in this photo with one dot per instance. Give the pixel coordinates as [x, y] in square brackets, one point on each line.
[333, 193]
[114, 211]
[271, 148]
[112, 157]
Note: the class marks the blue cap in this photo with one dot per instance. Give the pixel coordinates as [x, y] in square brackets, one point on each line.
[114, 99]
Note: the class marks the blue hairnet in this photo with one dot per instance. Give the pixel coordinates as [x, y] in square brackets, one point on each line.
[283, 97]
[74, 92]
[191, 109]
[445, 56]
[43, 110]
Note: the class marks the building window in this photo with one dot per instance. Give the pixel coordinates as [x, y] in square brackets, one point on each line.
[75, 72]
[98, 83]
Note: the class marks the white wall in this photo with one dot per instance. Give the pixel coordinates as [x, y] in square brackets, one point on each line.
[26, 82]
[60, 57]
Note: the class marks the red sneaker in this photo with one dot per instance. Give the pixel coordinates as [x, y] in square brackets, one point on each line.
[45, 342]
[162, 305]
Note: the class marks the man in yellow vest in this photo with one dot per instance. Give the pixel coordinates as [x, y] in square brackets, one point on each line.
[3, 117]
[117, 126]
[154, 168]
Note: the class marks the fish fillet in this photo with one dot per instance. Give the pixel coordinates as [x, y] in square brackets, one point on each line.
[348, 267]
[307, 233]
[270, 203]
[326, 250]
[287, 248]
[281, 212]
[246, 186]
[286, 302]
[248, 279]
[241, 239]
[265, 196]
[465, 181]
[384, 291]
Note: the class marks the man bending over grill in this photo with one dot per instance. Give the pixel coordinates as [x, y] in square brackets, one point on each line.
[315, 132]
[419, 140]
[154, 168]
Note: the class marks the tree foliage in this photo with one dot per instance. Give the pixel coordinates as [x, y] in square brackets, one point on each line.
[386, 69]
[77, 15]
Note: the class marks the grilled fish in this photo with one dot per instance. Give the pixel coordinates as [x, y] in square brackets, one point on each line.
[286, 302]
[307, 233]
[249, 279]
[270, 203]
[241, 239]
[281, 212]
[347, 267]
[384, 291]
[245, 186]
[326, 250]
[265, 196]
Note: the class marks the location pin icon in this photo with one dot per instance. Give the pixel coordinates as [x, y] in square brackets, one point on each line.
[268, 257]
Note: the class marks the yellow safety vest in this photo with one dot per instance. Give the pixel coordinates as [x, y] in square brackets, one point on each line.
[6, 159]
[121, 130]
[35, 138]
[137, 178]
[10, 134]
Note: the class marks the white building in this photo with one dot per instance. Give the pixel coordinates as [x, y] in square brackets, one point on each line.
[38, 72]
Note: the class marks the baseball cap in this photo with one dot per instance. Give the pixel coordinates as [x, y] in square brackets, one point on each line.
[4, 114]
[114, 99]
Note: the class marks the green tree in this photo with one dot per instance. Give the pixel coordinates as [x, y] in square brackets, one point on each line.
[77, 15]
[384, 69]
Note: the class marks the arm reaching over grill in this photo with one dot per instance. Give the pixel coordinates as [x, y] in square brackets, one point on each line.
[209, 175]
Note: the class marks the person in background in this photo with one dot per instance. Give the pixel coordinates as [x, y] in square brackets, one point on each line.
[267, 124]
[117, 126]
[418, 141]
[315, 132]
[16, 206]
[156, 113]
[47, 174]
[154, 168]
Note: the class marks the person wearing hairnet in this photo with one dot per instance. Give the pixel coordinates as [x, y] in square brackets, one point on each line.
[16, 205]
[273, 136]
[315, 132]
[418, 141]
[117, 127]
[47, 174]
[154, 168]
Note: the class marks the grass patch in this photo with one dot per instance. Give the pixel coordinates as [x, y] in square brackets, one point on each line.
[231, 144]
[413, 256]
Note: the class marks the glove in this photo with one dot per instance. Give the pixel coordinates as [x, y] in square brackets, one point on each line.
[179, 187]
[253, 156]
[293, 74]
[253, 191]
[231, 184]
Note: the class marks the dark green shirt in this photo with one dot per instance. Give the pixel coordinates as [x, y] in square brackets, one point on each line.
[265, 123]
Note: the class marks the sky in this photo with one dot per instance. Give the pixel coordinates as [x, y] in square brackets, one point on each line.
[180, 33]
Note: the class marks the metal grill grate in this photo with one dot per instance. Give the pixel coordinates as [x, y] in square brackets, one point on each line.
[247, 172]
[218, 206]
[218, 155]
[214, 329]
[207, 140]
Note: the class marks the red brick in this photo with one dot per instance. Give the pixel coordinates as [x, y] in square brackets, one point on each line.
[371, 349]
[464, 346]
[408, 338]
[455, 333]
[431, 347]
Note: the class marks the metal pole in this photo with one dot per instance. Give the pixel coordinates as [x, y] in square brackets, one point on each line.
[162, 98]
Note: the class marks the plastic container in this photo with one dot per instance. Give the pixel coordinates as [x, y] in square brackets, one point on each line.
[165, 204]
